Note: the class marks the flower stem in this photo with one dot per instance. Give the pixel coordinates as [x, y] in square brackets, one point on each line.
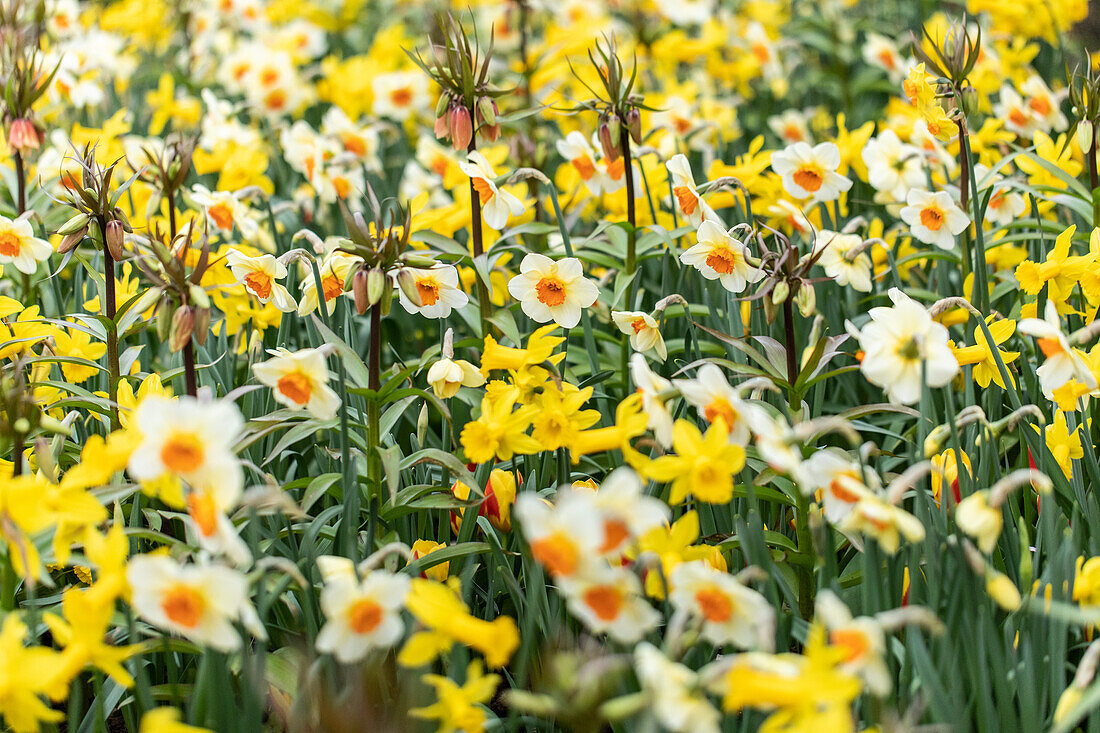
[478, 241]
[628, 171]
[114, 370]
[1094, 181]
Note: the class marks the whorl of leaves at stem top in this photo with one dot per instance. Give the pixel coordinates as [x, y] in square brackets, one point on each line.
[616, 102]
[183, 305]
[165, 169]
[382, 248]
[92, 198]
[461, 69]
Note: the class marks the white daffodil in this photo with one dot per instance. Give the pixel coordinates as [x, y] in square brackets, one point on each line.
[552, 291]
[718, 255]
[862, 639]
[730, 613]
[565, 536]
[934, 218]
[576, 149]
[714, 398]
[834, 249]
[1063, 362]
[675, 692]
[299, 380]
[643, 331]
[811, 172]
[625, 510]
[447, 375]
[608, 599]
[893, 167]
[655, 391]
[361, 615]
[226, 211]
[688, 200]
[437, 289]
[187, 439]
[334, 270]
[496, 205]
[904, 348]
[259, 275]
[198, 601]
[19, 246]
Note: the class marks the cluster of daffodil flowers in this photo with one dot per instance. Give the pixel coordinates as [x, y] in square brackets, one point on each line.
[744, 374]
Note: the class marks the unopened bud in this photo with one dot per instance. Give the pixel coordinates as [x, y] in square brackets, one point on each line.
[183, 324]
[359, 291]
[114, 237]
[614, 128]
[462, 128]
[487, 115]
[780, 292]
[407, 282]
[806, 299]
[202, 326]
[376, 285]
[610, 149]
[443, 126]
[442, 104]
[1084, 135]
[164, 317]
[634, 125]
[199, 296]
[486, 110]
[70, 241]
[76, 224]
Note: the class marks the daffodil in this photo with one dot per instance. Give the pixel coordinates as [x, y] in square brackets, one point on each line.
[810, 172]
[458, 707]
[980, 520]
[549, 290]
[608, 599]
[934, 218]
[729, 612]
[361, 614]
[981, 356]
[19, 246]
[718, 255]
[497, 205]
[299, 380]
[499, 431]
[902, 346]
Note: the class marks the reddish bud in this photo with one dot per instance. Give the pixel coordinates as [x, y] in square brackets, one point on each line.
[462, 128]
[114, 236]
[23, 135]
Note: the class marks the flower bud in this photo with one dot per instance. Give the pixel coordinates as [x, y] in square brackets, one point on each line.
[407, 282]
[610, 149]
[806, 298]
[23, 135]
[614, 128]
[359, 292]
[70, 241]
[487, 116]
[202, 325]
[462, 128]
[1084, 135]
[634, 125]
[443, 126]
[164, 316]
[114, 237]
[442, 105]
[183, 323]
[76, 224]
[780, 292]
[376, 284]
